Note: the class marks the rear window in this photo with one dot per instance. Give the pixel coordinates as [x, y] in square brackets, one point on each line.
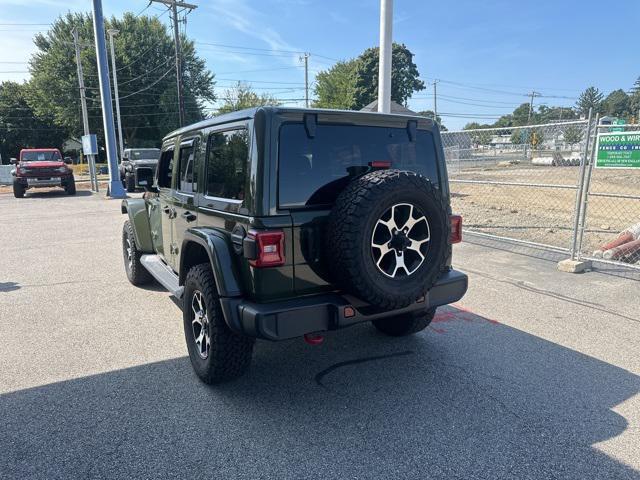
[313, 171]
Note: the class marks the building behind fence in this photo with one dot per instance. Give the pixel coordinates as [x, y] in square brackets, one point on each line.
[536, 185]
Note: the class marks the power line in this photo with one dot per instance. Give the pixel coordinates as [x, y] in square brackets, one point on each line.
[148, 86]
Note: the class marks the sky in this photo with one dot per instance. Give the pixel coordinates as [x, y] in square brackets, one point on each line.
[486, 55]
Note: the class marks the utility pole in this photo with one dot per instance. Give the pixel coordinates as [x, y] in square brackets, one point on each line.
[435, 101]
[115, 185]
[533, 95]
[305, 57]
[173, 5]
[384, 71]
[112, 32]
[85, 116]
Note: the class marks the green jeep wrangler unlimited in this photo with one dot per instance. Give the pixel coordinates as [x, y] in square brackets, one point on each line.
[277, 223]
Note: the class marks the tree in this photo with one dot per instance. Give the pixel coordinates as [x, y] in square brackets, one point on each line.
[547, 114]
[335, 87]
[573, 135]
[21, 128]
[241, 96]
[590, 98]
[430, 114]
[617, 104]
[146, 76]
[404, 76]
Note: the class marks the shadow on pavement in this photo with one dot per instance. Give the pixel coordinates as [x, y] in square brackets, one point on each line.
[55, 193]
[469, 398]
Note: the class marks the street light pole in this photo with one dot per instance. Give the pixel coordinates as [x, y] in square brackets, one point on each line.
[384, 70]
[112, 32]
[115, 185]
[85, 116]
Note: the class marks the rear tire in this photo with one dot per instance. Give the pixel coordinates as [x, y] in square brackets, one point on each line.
[136, 273]
[406, 324]
[217, 354]
[130, 182]
[18, 189]
[70, 188]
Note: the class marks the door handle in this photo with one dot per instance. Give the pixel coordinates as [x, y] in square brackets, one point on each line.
[188, 216]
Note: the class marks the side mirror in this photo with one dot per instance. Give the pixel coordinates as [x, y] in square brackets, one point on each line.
[68, 160]
[13, 161]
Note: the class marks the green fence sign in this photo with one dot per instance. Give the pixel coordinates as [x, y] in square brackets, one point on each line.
[618, 150]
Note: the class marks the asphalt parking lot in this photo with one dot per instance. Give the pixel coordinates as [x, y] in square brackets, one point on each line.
[533, 375]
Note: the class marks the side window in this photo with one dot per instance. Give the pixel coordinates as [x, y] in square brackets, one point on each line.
[227, 158]
[187, 181]
[165, 169]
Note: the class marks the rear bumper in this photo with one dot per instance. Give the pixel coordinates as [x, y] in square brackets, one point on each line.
[294, 318]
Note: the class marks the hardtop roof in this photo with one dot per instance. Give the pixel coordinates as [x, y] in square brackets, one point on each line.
[251, 112]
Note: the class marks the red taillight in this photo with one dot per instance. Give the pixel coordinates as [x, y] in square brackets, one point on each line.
[456, 229]
[381, 164]
[269, 249]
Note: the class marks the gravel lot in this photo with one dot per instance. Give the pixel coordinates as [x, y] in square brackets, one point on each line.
[535, 374]
[545, 215]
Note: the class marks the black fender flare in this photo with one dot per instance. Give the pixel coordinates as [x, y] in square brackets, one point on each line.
[220, 253]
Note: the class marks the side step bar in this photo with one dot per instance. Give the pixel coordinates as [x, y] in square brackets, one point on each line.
[163, 274]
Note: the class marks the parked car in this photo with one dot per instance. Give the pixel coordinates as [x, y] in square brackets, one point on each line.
[276, 223]
[138, 167]
[41, 167]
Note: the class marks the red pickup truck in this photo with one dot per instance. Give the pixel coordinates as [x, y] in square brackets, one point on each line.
[42, 167]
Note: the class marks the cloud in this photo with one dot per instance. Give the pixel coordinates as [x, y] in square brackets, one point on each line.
[250, 21]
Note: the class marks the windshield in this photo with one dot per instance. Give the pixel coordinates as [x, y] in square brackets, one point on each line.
[144, 154]
[46, 156]
[313, 171]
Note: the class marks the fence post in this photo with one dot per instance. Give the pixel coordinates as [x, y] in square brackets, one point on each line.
[578, 204]
[587, 185]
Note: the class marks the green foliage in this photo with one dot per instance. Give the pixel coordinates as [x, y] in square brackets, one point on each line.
[21, 128]
[353, 84]
[241, 96]
[617, 104]
[573, 135]
[335, 87]
[430, 114]
[547, 114]
[479, 137]
[519, 136]
[144, 53]
[404, 76]
[590, 98]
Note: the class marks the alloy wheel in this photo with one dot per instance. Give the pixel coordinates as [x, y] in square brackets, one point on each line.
[400, 240]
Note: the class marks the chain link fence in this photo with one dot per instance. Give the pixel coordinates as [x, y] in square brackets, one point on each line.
[519, 183]
[538, 185]
[610, 224]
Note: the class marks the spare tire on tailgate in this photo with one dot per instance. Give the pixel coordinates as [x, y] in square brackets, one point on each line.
[387, 238]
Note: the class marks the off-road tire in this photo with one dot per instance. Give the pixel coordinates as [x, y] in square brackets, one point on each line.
[351, 224]
[70, 188]
[18, 190]
[130, 183]
[136, 273]
[407, 324]
[230, 353]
